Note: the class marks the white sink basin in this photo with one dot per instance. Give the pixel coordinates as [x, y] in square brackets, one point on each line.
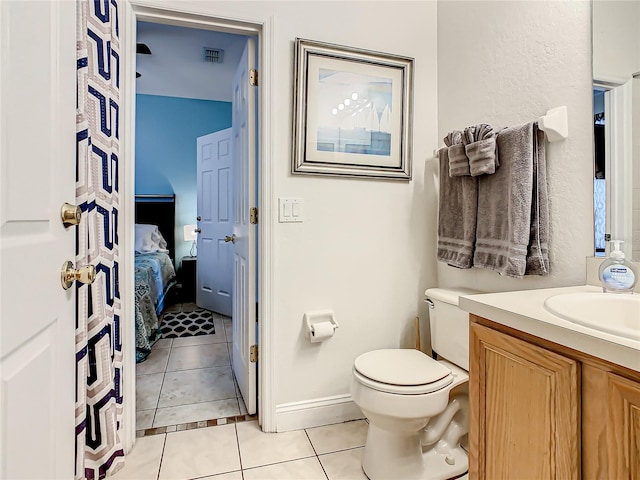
[618, 314]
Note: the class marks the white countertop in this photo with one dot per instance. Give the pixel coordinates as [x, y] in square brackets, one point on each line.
[524, 310]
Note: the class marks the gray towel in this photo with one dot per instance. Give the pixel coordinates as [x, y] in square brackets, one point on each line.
[538, 251]
[512, 206]
[480, 147]
[458, 160]
[457, 207]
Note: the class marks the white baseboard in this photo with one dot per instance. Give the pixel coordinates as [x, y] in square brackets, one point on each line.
[316, 412]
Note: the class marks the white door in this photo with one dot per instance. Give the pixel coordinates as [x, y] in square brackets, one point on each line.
[37, 175]
[214, 283]
[244, 197]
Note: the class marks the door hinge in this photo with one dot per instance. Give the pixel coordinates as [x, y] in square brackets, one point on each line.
[253, 77]
[253, 215]
[253, 354]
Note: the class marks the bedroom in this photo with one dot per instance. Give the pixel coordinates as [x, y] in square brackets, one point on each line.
[186, 379]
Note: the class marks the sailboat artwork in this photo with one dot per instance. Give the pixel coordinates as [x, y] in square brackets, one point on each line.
[354, 113]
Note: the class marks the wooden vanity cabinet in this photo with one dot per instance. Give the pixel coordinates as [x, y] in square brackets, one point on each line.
[543, 411]
[610, 425]
[525, 410]
[624, 434]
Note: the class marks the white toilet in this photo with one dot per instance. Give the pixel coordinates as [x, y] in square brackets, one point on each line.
[416, 422]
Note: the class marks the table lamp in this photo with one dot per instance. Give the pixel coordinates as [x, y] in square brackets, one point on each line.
[191, 235]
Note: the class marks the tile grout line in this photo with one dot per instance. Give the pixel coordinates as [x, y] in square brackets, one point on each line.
[164, 376]
[199, 402]
[282, 461]
[235, 427]
[155, 412]
[164, 444]
[316, 453]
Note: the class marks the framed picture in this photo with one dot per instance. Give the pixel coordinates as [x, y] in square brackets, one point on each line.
[352, 112]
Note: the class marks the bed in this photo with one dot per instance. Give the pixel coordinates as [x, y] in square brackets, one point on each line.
[155, 273]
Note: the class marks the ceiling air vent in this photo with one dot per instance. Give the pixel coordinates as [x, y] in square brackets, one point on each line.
[213, 55]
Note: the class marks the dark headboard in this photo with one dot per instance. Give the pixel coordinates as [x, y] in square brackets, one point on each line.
[159, 210]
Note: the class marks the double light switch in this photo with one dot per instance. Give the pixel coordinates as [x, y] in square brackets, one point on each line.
[290, 210]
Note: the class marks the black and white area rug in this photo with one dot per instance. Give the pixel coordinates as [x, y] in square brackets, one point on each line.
[187, 324]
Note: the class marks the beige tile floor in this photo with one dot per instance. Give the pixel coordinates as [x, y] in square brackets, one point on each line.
[188, 379]
[241, 451]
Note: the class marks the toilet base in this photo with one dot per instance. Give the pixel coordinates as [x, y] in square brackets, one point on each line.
[436, 466]
[392, 455]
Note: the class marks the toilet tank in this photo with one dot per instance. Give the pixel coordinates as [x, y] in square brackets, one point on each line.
[449, 324]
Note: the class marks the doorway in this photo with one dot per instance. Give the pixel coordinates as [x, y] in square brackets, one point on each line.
[257, 28]
[183, 91]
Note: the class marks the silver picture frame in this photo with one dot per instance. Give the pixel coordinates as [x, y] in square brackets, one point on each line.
[353, 112]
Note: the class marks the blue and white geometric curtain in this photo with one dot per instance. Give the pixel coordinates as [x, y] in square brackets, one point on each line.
[99, 450]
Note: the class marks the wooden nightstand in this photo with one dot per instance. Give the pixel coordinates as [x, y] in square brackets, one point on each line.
[188, 273]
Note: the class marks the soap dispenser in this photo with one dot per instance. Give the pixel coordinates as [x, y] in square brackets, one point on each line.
[617, 274]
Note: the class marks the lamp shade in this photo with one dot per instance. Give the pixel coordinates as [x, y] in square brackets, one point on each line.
[190, 234]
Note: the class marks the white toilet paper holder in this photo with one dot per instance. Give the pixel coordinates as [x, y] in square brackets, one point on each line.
[316, 317]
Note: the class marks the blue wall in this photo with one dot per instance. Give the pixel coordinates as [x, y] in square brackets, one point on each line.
[166, 133]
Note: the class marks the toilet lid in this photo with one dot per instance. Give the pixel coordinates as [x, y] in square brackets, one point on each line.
[402, 367]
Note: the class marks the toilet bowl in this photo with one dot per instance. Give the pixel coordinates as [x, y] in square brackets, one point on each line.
[415, 422]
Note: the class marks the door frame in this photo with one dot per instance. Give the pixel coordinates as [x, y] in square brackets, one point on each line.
[262, 28]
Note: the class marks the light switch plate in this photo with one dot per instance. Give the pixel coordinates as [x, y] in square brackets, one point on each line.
[290, 210]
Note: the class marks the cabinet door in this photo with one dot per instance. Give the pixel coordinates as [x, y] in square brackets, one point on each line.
[524, 410]
[624, 431]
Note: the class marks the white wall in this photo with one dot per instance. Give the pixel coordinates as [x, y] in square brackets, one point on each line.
[616, 24]
[366, 247]
[506, 63]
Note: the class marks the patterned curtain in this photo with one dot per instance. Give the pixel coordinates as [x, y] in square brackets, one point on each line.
[99, 451]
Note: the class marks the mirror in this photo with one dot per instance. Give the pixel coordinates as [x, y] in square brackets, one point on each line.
[616, 77]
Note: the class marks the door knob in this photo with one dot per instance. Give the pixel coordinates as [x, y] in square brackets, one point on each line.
[70, 214]
[198, 218]
[68, 274]
[198, 230]
[231, 238]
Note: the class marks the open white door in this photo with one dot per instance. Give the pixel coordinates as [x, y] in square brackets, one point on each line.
[244, 198]
[214, 283]
[37, 175]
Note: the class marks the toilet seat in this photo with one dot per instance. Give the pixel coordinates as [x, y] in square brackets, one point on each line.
[401, 371]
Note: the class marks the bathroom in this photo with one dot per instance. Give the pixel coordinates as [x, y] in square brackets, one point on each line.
[366, 248]
[378, 238]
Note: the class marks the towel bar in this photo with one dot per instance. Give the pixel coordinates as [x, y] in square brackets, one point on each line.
[555, 124]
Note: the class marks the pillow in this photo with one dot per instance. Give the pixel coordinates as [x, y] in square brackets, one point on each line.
[149, 239]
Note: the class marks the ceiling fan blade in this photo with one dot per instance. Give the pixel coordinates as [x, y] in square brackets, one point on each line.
[143, 49]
